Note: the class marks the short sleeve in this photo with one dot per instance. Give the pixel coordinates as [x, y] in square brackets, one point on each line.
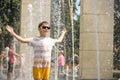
[53, 41]
[31, 41]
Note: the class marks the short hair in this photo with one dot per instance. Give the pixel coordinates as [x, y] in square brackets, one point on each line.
[2, 51]
[61, 52]
[11, 44]
[44, 22]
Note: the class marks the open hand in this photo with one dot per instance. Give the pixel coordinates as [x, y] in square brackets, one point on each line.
[9, 29]
[64, 30]
[0, 31]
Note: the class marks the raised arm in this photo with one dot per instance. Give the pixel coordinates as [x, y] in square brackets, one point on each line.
[61, 36]
[19, 38]
[18, 55]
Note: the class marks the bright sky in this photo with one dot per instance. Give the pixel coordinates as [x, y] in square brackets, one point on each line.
[77, 3]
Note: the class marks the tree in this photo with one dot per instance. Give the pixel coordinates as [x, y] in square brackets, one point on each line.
[57, 12]
[10, 14]
[76, 24]
[117, 22]
[116, 55]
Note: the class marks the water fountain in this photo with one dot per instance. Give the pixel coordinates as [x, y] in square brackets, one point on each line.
[55, 19]
[95, 43]
[97, 39]
[29, 25]
[29, 8]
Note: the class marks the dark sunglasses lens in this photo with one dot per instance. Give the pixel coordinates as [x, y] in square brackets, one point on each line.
[48, 27]
[45, 27]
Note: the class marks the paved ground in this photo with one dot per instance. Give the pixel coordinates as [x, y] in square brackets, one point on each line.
[61, 77]
[64, 77]
[3, 78]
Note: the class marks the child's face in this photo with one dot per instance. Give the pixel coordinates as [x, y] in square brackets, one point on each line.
[3, 53]
[44, 30]
[11, 47]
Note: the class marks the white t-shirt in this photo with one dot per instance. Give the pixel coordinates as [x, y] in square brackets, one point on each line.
[42, 51]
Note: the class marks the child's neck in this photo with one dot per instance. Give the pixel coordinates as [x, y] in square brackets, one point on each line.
[43, 36]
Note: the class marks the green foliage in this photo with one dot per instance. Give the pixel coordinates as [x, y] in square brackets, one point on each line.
[76, 24]
[10, 14]
[116, 55]
[56, 11]
[117, 26]
[117, 22]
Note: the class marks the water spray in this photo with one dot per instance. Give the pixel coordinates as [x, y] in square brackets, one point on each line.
[97, 38]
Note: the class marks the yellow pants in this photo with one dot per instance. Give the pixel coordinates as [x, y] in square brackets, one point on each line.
[41, 73]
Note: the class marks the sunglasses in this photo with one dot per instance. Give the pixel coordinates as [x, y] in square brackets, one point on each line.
[45, 27]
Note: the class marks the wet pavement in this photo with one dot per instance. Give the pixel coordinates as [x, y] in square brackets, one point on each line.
[64, 77]
[3, 78]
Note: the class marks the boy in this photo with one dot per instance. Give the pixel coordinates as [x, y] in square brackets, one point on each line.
[42, 46]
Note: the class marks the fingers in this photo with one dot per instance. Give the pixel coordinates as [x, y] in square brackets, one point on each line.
[0, 31]
[64, 29]
[7, 27]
